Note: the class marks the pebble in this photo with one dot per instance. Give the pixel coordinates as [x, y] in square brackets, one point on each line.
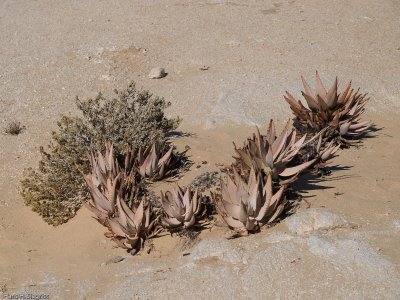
[157, 73]
[114, 260]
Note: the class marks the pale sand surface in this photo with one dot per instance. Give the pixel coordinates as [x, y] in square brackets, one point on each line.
[51, 51]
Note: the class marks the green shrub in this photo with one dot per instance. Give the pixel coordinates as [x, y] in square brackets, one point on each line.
[14, 128]
[56, 189]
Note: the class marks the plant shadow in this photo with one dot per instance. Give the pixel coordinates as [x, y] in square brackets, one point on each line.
[180, 134]
[373, 132]
[300, 190]
[315, 181]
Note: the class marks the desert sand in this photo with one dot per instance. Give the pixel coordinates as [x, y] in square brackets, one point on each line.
[228, 65]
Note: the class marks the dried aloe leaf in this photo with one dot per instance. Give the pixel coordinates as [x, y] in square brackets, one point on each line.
[273, 154]
[155, 162]
[247, 205]
[183, 208]
[339, 112]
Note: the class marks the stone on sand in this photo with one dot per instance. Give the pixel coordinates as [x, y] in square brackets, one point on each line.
[157, 73]
[314, 219]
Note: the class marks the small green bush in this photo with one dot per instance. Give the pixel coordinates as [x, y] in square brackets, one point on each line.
[56, 189]
[14, 128]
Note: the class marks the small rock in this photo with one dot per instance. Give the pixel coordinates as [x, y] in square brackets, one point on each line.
[157, 73]
[204, 68]
[314, 219]
[114, 260]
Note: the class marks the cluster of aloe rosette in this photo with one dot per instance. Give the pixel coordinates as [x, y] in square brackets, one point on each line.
[120, 202]
[252, 194]
[337, 113]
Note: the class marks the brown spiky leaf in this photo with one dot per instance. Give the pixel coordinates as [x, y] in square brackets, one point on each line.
[156, 162]
[273, 154]
[340, 111]
[182, 208]
[246, 206]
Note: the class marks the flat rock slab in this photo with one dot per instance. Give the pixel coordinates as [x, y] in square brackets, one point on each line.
[311, 261]
[277, 265]
[318, 266]
[221, 249]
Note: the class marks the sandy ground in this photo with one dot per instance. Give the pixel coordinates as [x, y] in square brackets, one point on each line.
[363, 187]
[51, 51]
